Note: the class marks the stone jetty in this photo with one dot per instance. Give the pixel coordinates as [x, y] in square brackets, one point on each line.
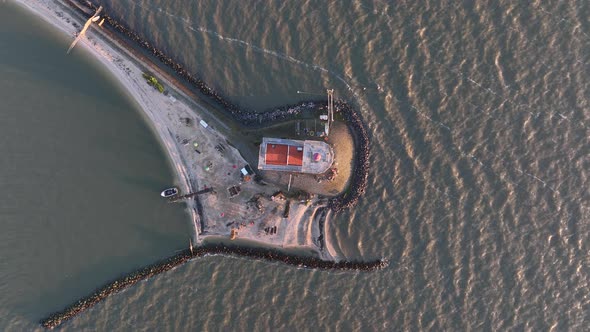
[119, 284]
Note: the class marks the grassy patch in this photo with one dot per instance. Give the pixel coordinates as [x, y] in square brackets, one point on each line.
[153, 81]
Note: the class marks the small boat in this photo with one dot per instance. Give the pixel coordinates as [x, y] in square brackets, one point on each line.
[170, 192]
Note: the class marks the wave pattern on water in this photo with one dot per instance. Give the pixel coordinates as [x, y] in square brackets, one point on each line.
[478, 117]
[56, 319]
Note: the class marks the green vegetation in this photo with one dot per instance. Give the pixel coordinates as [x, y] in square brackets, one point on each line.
[151, 80]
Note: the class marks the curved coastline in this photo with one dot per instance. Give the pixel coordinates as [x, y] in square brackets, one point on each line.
[249, 118]
[55, 319]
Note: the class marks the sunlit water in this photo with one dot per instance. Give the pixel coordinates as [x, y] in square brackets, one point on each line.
[478, 188]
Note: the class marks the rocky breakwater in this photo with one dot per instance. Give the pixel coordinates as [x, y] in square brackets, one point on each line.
[119, 284]
[244, 116]
[360, 172]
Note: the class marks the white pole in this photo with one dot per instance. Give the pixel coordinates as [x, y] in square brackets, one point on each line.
[331, 104]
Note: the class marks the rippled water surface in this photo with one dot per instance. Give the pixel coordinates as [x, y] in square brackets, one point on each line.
[478, 113]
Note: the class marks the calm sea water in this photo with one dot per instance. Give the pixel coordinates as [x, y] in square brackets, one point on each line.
[80, 173]
[478, 192]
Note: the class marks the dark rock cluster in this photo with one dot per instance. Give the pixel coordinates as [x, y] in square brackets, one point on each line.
[132, 278]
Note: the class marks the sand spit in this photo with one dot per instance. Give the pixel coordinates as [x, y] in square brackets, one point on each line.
[245, 117]
[162, 113]
[119, 284]
[152, 104]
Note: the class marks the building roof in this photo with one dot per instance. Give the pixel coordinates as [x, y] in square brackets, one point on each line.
[294, 156]
[276, 154]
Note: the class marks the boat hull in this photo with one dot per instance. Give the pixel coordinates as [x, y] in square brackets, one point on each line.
[170, 192]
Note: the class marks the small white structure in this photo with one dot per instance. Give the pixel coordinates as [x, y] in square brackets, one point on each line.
[204, 124]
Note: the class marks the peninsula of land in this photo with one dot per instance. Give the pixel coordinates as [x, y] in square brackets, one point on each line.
[215, 147]
[255, 184]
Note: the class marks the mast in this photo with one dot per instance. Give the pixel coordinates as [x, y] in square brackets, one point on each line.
[330, 107]
[331, 104]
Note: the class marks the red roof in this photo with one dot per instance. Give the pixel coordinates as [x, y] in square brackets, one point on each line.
[295, 157]
[276, 154]
[281, 154]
